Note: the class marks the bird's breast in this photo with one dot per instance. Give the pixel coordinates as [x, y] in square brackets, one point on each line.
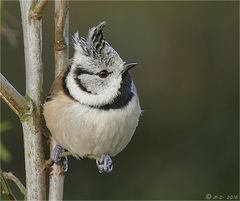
[90, 131]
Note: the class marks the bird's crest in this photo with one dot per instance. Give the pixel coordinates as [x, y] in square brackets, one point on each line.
[96, 37]
[95, 45]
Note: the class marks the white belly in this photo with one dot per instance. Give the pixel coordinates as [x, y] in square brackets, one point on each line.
[87, 131]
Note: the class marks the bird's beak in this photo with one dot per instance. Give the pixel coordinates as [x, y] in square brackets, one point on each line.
[128, 66]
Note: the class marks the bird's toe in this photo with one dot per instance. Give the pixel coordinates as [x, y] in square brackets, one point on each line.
[104, 164]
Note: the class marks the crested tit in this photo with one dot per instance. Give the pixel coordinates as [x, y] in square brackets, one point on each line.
[93, 107]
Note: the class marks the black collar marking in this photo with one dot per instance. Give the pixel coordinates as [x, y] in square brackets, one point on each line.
[125, 94]
[124, 97]
[64, 83]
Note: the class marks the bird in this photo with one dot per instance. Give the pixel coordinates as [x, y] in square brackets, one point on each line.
[93, 108]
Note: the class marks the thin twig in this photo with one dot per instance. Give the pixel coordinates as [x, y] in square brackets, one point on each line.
[39, 7]
[48, 164]
[65, 154]
[56, 177]
[60, 19]
[12, 177]
[12, 97]
[5, 187]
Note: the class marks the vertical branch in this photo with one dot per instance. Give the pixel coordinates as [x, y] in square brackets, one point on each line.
[33, 145]
[57, 175]
[61, 34]
[56, 178]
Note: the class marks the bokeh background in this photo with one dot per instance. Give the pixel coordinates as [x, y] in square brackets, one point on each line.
[187, 141]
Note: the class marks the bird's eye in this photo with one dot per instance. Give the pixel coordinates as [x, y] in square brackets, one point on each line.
[103, 74]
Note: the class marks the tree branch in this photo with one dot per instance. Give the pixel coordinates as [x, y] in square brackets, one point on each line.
[38, 9]
[61, 32]
[11, 96]
[57, 174]
[65, 154]
[5, 187]
[12, 177]
[32, 129]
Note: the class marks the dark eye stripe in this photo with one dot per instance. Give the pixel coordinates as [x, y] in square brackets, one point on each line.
[79, 71]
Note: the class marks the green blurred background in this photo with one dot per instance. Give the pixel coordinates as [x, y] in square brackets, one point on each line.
[187, 142]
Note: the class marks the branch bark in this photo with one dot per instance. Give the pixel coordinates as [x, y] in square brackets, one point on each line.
[5, 188]
[61, 34]
[56, 178]
[32, 132]
[11, 96]
[12, 177]
[38, 8]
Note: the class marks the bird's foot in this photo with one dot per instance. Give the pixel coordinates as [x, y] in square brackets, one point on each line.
[63, 161]
[104, 164]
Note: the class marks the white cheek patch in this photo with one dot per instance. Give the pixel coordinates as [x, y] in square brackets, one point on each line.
[107, 96]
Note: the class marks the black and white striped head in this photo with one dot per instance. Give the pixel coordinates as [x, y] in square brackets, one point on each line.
[98, 76]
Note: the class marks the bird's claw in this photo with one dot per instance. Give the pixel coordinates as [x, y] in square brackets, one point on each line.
[63, 161]
[104, 164]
